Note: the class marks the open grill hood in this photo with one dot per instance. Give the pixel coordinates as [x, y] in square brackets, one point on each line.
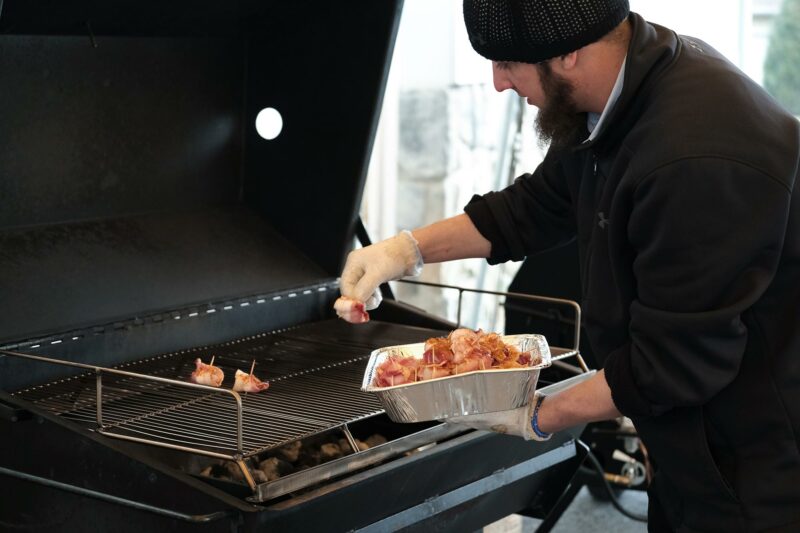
[132, 175]
[146, 223]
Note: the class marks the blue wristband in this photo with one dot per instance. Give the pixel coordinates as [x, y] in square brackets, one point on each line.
[535, 420]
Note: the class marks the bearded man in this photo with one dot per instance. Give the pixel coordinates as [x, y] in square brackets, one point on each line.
[676, 174]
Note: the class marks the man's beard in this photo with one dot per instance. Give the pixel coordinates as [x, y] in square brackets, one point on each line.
[558, 122]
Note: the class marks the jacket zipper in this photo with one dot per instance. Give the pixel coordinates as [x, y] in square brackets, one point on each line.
[587, 264]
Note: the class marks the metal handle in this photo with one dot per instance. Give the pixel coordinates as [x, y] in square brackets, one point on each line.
[530, 297]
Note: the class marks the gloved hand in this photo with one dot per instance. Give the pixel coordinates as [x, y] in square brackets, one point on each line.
[366, 268]
[512, 422]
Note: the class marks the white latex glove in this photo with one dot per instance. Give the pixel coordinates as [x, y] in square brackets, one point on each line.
[515, 422]
[367, 268]
[518, 421]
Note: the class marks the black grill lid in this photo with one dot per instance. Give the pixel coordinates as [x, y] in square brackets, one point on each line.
[131, 173]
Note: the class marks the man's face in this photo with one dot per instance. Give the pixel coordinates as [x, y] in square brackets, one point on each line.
[559, 120]
[523, 78]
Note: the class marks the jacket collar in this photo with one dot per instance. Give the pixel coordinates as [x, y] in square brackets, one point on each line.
[652, 50]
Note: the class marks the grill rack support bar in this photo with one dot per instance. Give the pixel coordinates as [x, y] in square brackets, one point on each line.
[350, 439]
[81, 491]
[99, 397]
[248, 477]
[576, 340]
[99, 371]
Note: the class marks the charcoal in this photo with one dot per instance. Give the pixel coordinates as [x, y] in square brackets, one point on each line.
[375, 440]
[274, 468]
[259, 476]
[329, 451]
[269, 468]
[233, 471]
[290, 452]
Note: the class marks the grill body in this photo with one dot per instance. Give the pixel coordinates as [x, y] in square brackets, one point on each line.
[125, 489]
[146, 223]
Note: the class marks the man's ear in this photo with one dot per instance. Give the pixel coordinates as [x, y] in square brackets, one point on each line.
[568, 61]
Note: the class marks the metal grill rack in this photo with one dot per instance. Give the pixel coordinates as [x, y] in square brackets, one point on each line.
[314, 372]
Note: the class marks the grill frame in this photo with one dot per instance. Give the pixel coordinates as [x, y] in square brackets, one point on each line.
[146, 216]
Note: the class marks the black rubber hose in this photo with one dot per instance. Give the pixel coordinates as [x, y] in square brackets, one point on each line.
[611, 495]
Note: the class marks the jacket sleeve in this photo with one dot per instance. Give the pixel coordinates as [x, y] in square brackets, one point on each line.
[706, 235]
[531, 215]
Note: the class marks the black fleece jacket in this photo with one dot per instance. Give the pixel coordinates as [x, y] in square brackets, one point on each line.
[688, 224]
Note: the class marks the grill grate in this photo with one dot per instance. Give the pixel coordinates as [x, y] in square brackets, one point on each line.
[314, 370]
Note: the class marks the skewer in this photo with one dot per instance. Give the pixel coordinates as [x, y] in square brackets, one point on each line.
[212, 360]
[251, 373]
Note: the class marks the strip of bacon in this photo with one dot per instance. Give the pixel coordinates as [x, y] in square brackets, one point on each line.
[248, 383]
[470, 364]
[207, 374]
[433, 372]
[397, 371]
[351, 310]
[437, 351]
[463, 343]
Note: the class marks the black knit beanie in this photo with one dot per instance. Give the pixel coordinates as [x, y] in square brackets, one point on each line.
[531, 31]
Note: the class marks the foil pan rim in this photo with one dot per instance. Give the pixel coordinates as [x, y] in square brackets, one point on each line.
[539, 339]
[374, 388]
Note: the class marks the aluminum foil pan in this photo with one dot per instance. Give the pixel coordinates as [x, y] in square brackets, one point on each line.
[481, 391]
